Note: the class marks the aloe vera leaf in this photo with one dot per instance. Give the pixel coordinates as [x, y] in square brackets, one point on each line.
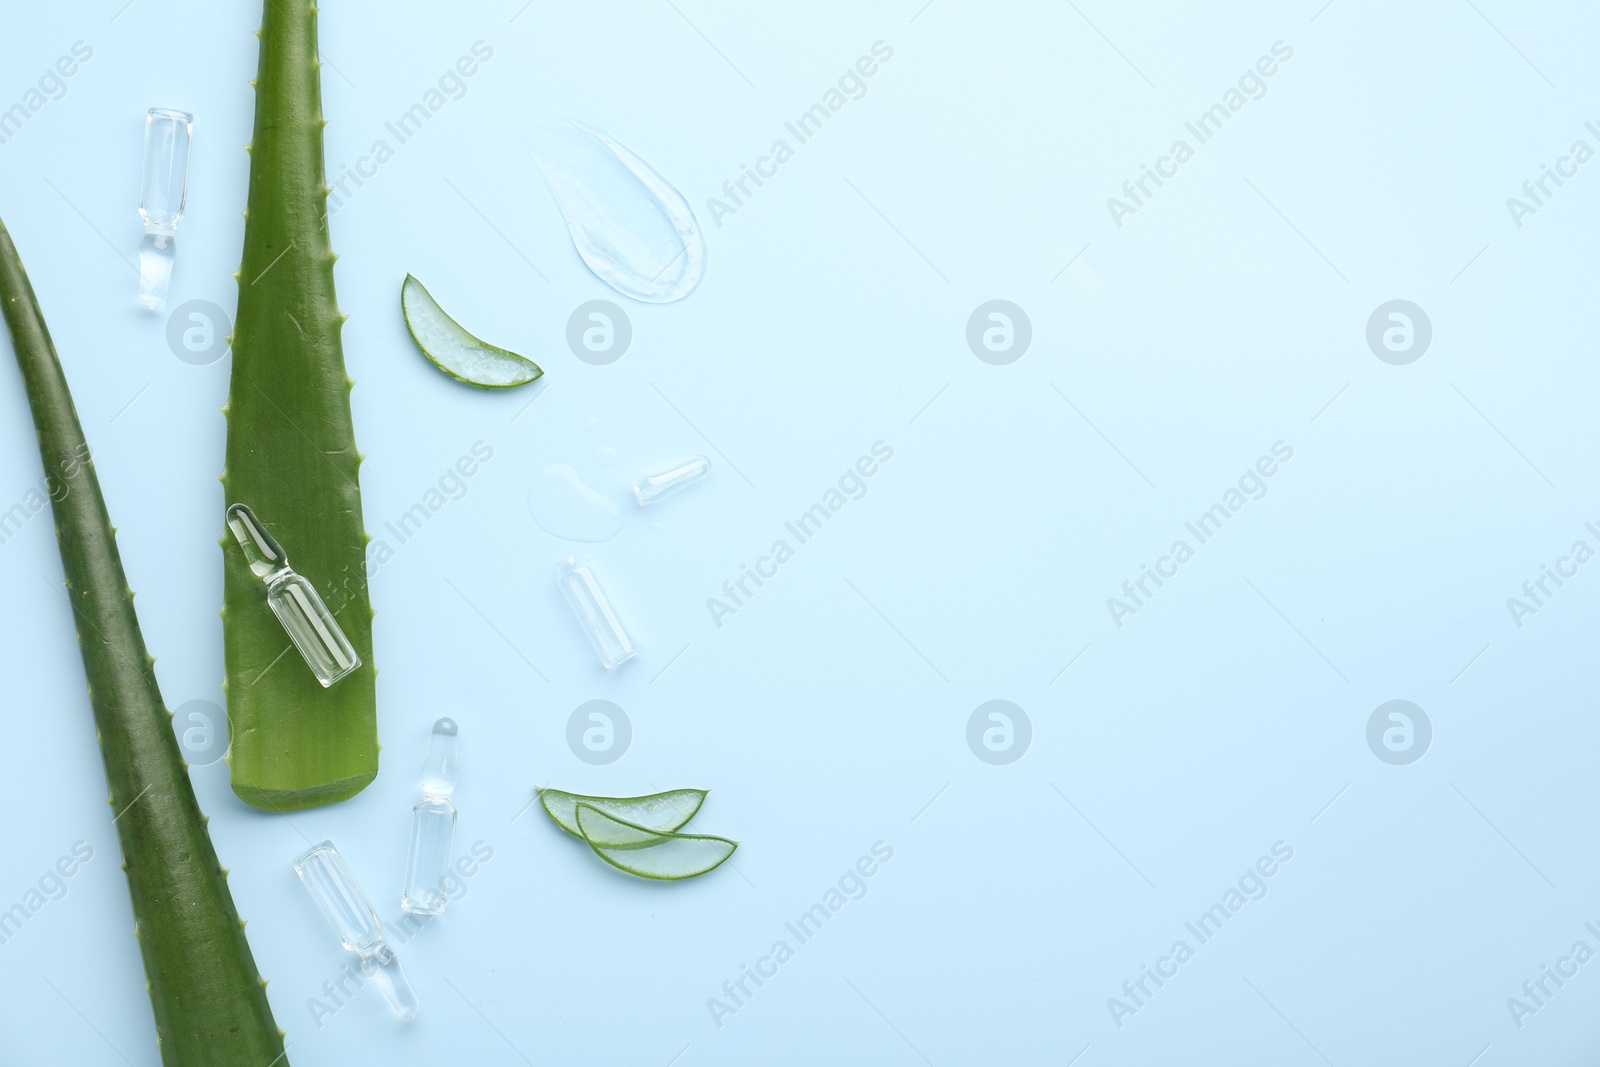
[663, 812]
[455, 350]
[210, 1003]
[649, 854]
[291, 453]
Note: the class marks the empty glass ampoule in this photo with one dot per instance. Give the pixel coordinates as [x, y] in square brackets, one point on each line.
[324, 874]
[653, 488]
[595, 614]
[307, 620]
[433, 821]
[161, 196]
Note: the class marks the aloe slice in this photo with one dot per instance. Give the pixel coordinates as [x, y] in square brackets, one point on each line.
[659, 812]
[453, 350]
[649, 854]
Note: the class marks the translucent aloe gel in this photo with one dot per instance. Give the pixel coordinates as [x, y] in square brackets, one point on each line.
[630, 225]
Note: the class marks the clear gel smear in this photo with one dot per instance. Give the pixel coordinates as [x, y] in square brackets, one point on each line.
[633, 229]
[564, 505]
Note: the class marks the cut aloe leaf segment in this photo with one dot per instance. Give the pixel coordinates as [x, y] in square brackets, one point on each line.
[455, 351]
[659, 812]
[664, 857]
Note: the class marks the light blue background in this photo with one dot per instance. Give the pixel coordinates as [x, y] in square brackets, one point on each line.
[830, 712]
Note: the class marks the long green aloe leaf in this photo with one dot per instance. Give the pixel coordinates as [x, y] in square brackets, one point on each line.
[210, 1003]
[291, 454]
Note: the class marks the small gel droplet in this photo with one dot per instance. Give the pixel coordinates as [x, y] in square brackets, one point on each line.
[567, 508]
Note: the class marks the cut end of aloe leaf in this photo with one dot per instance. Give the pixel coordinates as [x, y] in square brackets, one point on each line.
[311, 796]
[666, 857]
[660, 812]
[455, 351]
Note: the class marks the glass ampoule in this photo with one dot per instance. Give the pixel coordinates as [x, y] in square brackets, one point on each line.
[594, 612]
[326, 877]
[293, 599]
[657, 486]
[433, 823]
[162, 191]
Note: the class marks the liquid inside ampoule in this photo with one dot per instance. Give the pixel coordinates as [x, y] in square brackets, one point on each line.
[163, 191]
[294, 600]
[433, 824]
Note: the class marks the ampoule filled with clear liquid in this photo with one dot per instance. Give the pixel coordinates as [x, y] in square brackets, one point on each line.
[294, 600]
[433, 823]
[162, 192]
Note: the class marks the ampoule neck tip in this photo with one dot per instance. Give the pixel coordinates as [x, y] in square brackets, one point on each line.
[618, 660]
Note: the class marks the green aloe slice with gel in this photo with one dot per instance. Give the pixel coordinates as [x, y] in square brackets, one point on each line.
[457, 352]
[666, 857]
[658, 812]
